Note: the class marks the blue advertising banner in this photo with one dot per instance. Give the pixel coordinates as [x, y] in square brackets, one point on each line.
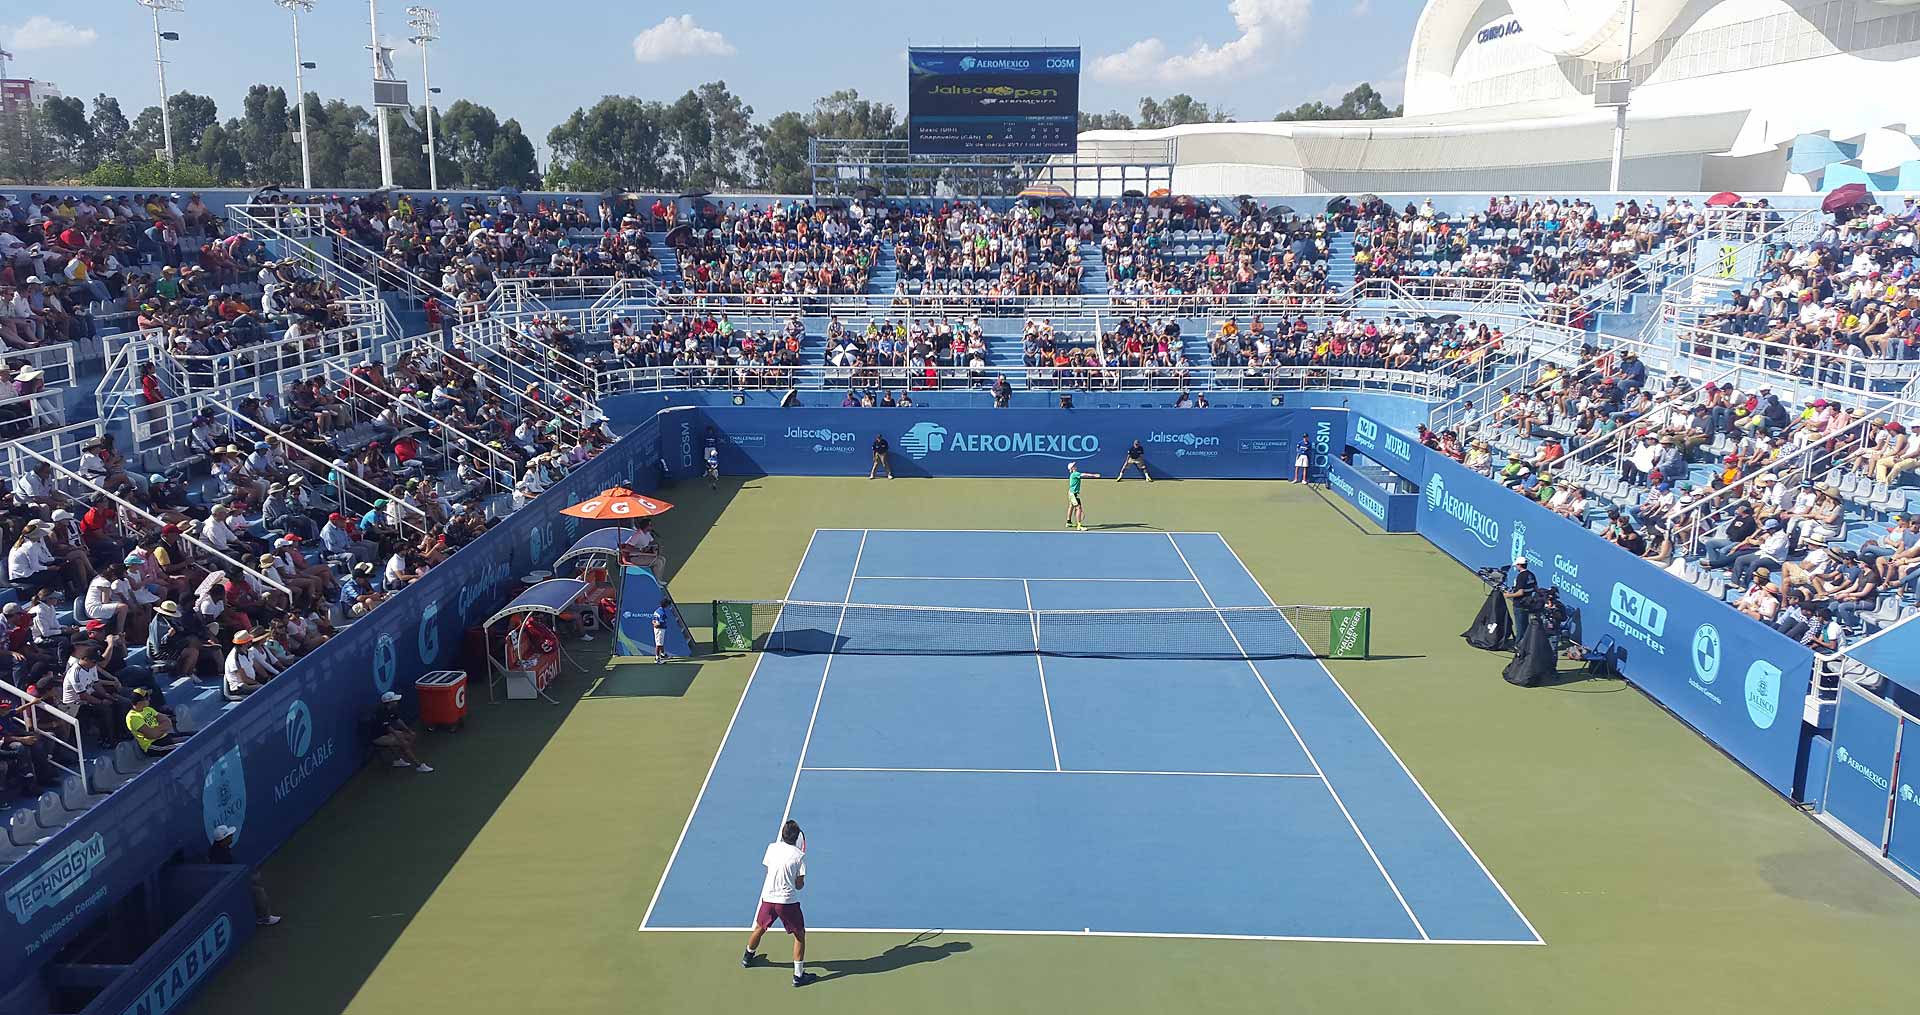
[267, 765]
[1393, 512]
[1257, 443]
[217, 920]
[993, 101]
[1391, 448]
[1737, 681]
[1903, 846]
[1859, 786]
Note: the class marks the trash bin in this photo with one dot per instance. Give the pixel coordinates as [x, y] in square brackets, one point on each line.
[443, 699]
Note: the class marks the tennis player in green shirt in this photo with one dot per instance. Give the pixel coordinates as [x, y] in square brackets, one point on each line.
[1076, 515]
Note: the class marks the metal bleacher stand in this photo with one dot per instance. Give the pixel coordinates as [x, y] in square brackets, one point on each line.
[72, 481]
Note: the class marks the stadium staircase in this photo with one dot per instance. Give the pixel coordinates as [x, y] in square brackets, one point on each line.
[669, 274]
[1094, 280]
[885, 276]
[1005, 347]
[1340, 268]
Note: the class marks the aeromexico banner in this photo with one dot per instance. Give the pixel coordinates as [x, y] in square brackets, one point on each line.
[1860, 789]
[1254, 443]
[266, 766]
[1737, 681]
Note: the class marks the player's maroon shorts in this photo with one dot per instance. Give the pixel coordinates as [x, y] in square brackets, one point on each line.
[788, 913]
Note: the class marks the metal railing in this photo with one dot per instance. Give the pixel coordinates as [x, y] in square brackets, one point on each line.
[298, 231]
[447, 438]
[1706, 514]
[19, 455]
[387, 273]
[168, 422]
[54, 724]
[819, 377]
[325, 471]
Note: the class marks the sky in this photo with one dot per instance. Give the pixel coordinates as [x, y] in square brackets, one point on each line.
[538, 62]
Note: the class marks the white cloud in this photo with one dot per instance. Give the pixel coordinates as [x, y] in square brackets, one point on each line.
[677, 36]
[42, 32]
[1262, 24]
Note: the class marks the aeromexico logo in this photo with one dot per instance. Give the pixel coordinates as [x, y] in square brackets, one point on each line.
[1847, 759]
[925, 439]
[1483, 526]
[57, 879]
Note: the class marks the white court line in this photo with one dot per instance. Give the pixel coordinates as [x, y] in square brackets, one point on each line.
[1394, 755]
[1046, 701]
[1301, 741]
[1300, 938]
[671, 857]
[845, 601]
[1068, 771]
[1013, 578]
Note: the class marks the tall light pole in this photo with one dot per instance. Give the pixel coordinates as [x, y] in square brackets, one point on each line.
[426, 28]
[1620, 111]
[296, 8]
[379, 111]
[160, 65]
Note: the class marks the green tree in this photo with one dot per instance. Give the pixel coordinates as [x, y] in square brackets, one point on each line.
[264, 136]
[1105, 121]
[220, 154]
[1364, 102]
[68, 136]
[620, 142]
[511, 163]
[110, 132]
[784, 140]
[1176, 110]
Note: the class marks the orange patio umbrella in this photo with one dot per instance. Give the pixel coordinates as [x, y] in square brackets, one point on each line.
[617, 502]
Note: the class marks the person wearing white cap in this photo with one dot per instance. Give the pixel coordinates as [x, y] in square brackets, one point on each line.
[220, 851]
[66, 545]
[393, 734]
[1520, 597]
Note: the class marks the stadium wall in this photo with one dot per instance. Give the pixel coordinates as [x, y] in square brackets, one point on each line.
[1013, 443]
[268, 764]
[1740, 683]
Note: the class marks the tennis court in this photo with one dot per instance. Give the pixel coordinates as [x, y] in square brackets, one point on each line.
[1076, 792]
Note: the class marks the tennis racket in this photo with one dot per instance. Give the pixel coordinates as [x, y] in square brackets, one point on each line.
[803, 844]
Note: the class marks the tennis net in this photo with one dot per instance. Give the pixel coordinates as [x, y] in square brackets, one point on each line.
[1252, 632]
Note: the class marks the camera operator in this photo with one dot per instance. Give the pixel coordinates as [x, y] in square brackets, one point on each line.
[1550, 612]
[1521, 599]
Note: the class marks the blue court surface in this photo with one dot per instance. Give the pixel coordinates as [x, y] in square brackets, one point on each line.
[1060, 794]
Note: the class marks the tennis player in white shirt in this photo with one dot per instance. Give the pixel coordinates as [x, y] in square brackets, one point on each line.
[786, 863]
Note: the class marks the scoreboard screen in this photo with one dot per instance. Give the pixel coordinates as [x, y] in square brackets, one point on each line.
[993, 101]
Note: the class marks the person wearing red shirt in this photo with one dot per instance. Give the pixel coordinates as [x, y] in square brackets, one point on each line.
[150, 391]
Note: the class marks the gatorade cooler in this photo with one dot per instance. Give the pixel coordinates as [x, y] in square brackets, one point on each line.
[443, 699]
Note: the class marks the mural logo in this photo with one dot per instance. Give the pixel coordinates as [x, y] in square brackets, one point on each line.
[299, 728]
[386, 664]
[57, 879]
[923, 440]
[1763, 694]
[1706, 653]
[223, 795]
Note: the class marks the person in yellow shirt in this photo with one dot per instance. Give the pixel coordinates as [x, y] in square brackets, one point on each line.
[151, 728]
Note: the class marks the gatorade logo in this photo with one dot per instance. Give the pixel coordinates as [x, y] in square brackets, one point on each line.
[429, 637]
[460, 697]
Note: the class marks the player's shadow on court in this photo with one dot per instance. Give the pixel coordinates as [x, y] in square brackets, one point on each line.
[917, 952]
